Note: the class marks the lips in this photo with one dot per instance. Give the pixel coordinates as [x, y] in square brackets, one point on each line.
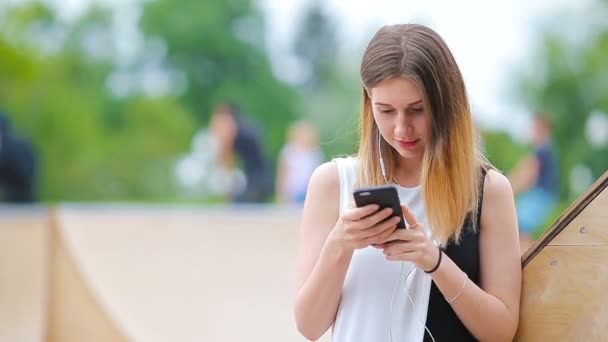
[408, 143]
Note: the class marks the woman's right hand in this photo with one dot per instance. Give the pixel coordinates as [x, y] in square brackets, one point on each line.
[361, 227]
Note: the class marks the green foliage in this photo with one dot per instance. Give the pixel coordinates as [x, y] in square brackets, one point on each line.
[501, 150]
[93, 146]
[315, 45]
[567, 78]
[219, 46]
[59, 101]
[332, 88]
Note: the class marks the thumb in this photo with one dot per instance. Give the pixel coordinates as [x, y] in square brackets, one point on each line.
[409, 216]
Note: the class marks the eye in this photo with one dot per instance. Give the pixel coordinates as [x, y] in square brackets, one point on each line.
[386, 111]
[417, 110]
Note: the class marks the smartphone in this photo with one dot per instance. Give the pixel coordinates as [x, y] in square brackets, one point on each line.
[386, 196]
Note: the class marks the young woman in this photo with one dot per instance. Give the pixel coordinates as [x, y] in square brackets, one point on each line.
[455, 273]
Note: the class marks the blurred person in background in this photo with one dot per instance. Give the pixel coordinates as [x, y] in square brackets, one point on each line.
[297, 160]
[535, 181]
[240, 145]
[17, 166]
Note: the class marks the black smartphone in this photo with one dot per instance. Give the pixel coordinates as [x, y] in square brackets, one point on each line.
[386, 196]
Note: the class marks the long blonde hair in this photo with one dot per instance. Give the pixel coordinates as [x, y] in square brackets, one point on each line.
[452, 163]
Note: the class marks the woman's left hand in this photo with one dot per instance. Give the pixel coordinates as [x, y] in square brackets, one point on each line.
[410, 244]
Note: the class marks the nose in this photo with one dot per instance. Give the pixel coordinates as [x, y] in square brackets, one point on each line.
[403, 126]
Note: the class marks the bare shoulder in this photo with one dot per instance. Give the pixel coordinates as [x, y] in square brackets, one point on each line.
[498, 207]
[496, 187]
[325, 177]
[320, 213]
[322, 203]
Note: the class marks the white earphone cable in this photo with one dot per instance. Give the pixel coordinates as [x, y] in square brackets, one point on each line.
[402, 279]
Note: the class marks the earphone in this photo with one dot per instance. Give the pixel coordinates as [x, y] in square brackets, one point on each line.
[382, 167]
[402, 278]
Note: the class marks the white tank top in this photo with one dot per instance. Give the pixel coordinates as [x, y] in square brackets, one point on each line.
[364, 313]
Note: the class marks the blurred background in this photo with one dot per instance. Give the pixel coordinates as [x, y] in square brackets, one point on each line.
[148, 114]
[110, 95]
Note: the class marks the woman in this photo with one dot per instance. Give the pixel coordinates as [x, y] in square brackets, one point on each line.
[455, 273]
[297, 160]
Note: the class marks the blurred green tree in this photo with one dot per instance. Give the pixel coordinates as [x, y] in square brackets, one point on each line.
[315, 46]
[332, 88]
[219, 46]
[91, 145]
[501, 150]
[567, 77]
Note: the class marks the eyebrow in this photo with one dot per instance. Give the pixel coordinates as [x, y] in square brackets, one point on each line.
[388, 105]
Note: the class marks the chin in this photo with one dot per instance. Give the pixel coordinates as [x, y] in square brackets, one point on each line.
[408, 154]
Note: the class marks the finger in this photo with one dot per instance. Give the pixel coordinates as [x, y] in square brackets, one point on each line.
[395, 247]
[410, 234]
[375, 218]
[381, 230]
[406, 256]
[398, 235]
[381, 236]
[355, 214]
[409, 216]
[403, 247]
[387, 240]
[383, 245]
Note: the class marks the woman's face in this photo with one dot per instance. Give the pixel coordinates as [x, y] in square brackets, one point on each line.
[401, 116]
[223, 126]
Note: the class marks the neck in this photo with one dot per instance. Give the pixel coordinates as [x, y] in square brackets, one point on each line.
[407, 172]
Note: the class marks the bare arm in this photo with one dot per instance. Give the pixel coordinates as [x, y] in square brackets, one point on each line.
[327, 242]
[525, 174]
[322, 265]
[490, 312]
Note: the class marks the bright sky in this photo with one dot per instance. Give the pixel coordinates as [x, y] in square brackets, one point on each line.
[488, 38]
